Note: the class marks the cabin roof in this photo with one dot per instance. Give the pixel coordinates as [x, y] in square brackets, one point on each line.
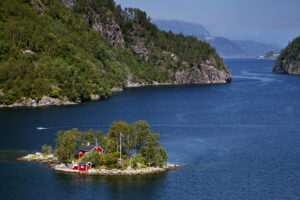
[84, 163]
[87, 148]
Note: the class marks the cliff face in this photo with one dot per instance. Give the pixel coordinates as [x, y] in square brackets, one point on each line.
[206, 73]
[110, 30]
[289, 59]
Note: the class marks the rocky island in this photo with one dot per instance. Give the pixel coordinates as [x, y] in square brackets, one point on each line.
[63, 52]
[127, 149]
[288, 61]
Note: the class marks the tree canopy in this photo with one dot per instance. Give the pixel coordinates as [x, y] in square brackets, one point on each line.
[289, 58]
[139, 144]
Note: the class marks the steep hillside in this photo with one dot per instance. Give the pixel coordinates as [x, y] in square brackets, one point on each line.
[289, 59]
[58, 52]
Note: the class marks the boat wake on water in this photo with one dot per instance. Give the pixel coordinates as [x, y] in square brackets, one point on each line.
[41, 128]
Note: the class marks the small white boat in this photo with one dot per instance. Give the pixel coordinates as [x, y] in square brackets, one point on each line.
[40, 128]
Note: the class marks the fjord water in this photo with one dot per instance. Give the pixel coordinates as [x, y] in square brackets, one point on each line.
[234, 141]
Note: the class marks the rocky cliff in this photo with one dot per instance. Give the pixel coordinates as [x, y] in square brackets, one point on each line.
[45, 101]
[289, 59]
[110, 30]
[206, 73]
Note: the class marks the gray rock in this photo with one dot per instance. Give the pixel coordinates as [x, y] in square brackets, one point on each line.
[28, 52]
[116, 89]
[48, 101]
[95, 97]
[109, 30]
[140, 49]
[69, 3]
[38, 6]
[45, 101]
[25, 102]
[139, 165]
[205, 73]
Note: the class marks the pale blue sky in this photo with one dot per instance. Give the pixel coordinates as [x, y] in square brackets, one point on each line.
[271, 21]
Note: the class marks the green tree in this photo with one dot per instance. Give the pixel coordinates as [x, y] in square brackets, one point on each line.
[160, 157]
[93, 157]
[150, 148]
[66, 144]
[110, 160]
[117, 128]
[141, 130]
[47, 149]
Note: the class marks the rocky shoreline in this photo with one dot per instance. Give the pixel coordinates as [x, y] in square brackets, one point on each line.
[118, 172]
[60, 167]
[181, 79]
[39, 157]
[45, 101]
[141, 84]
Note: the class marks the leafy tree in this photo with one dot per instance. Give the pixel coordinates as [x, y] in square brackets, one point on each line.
[160, 157]
[93, 157]
[150, 149]
[289, 59]
[110, 160]
[141, 130]
[117, 128]
[47, 149]
[65, 144]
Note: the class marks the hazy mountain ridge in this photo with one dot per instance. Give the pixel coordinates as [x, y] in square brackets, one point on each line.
[225, 47]
[178, 26]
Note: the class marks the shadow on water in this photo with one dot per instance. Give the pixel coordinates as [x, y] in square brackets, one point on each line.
[35, 175]
[114, 187]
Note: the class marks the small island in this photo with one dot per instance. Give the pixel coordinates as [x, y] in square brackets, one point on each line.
[127, 149]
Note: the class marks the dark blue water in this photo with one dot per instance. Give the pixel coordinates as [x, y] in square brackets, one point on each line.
[235, 141]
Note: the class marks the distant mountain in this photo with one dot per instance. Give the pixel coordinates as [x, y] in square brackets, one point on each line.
[177, 27]
[225, 47]
[271, 55]
[254, 49]
[288, 61]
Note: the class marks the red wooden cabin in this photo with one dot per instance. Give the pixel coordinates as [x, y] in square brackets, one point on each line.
[82, 166]
[88, 148]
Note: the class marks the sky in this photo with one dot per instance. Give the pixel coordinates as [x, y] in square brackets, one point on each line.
[269, 21]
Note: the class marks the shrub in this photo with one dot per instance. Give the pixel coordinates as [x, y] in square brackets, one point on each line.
[94, 157]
